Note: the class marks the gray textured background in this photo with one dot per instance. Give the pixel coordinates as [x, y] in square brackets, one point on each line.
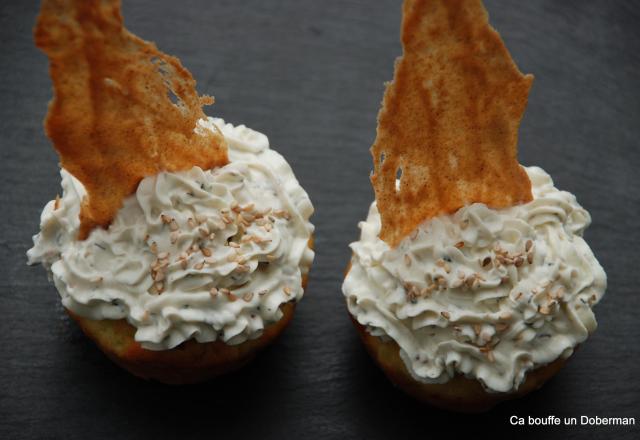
[310, 75]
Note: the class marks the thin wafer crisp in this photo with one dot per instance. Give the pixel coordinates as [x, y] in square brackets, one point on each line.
[448, 126]
[122, 110]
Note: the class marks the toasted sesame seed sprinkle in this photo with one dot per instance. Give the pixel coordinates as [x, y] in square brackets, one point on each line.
[460, 244]
[173, 225]
[446, 315]
[287, 290]
[528, 245]
[248, 296]
[206, 251]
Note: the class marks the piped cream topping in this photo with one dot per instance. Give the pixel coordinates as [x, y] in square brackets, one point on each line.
[489, 294]
[203, 254]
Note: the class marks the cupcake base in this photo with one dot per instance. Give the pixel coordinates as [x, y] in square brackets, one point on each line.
[190, 362]
[460, 394]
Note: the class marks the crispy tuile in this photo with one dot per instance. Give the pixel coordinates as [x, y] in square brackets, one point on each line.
[448, 126]
[112, 119]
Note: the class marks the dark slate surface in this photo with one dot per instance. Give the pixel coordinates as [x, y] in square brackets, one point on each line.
[310, 75]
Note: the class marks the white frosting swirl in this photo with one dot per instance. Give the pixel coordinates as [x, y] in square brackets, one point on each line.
[196, 254]
[490, 294]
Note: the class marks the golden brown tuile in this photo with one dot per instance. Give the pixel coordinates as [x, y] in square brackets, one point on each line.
[449, 121]
[122, 110]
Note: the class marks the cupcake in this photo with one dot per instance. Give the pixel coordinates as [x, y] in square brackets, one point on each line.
[200, 267]
[479, 306]
[471, 282]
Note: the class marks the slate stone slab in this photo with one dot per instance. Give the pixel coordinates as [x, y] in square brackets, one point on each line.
[310, 75]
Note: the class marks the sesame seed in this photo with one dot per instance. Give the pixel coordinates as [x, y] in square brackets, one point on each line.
[247, 217]
[287, 290]
[206, 252]
[199, 266]
[163, 255]
[460, 244]
[518, 262]
[445, 315]
[174, 236]
[530, 258]
[233, 244]
[271, 257]
[247, 296]
[407, 260]
[528, 245]
[154, 247]
[173, 225]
